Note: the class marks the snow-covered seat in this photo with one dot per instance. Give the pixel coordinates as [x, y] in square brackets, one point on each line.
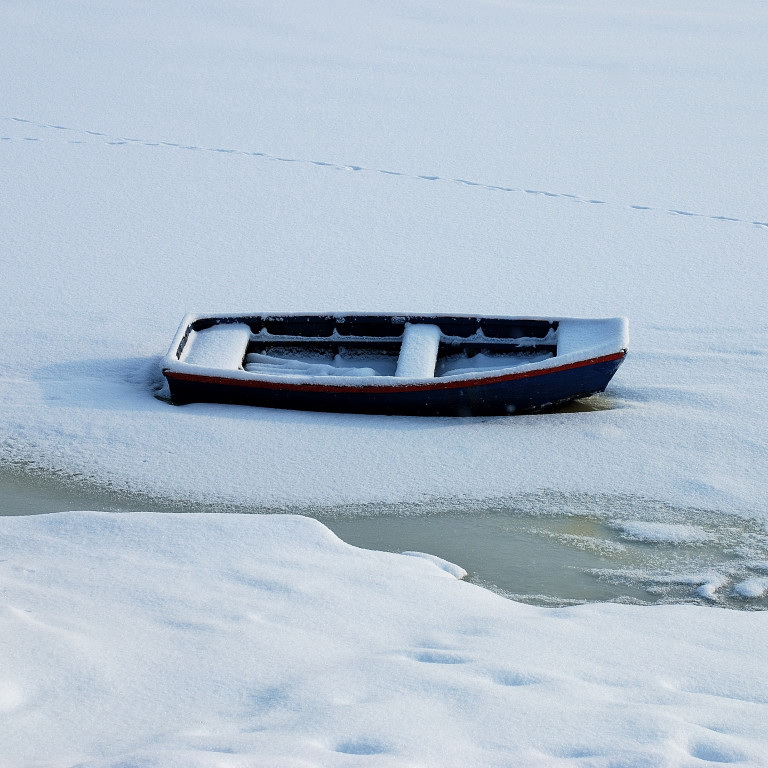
[418, 352]
[221, 346]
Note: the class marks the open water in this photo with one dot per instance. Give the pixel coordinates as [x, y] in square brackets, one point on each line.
[545, 549]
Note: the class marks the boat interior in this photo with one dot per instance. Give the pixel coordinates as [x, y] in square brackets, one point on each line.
[368, 345]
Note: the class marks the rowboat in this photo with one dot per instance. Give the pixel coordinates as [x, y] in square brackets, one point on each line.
[427, 365]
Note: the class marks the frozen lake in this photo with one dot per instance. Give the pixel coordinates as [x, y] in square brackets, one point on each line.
[543, 549]
[498, 158]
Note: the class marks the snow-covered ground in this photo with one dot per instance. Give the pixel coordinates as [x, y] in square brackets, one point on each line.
[478, 156]
[244, 640]
[138, 190]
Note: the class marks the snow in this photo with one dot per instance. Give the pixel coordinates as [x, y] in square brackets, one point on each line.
[640, 530]
[599, 337]
[450, 568]
[269, 364]
[751, 588]
[457, 156]
[687, 421]
[247, 640]
[220, 346]
[418, 351]
[460, 364]
[711, 583]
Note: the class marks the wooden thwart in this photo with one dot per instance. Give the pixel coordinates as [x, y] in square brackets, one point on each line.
[220, 346]
[418, 353]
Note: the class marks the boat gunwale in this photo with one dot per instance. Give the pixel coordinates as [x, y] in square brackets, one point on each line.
[615, 348]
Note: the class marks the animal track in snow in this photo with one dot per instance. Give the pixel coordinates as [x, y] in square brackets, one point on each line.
[123, 141]
[711, 751]
[437, 656]
[363, 747]
[514, 678]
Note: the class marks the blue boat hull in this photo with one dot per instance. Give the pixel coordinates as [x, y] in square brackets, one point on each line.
[511, 393]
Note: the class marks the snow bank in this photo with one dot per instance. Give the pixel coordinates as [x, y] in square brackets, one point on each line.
[233, 640]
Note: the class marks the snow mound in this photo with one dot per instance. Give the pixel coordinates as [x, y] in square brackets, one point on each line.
[450, 568]
[753, 587]
[669, 533]
[247, 640]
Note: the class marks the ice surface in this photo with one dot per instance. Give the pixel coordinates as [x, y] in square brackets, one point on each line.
[463, 156]
[231, 640]
[480, 158]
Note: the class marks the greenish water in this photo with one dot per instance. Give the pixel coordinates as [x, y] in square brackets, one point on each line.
[545, 549]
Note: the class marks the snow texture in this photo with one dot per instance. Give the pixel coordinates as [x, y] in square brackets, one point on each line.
[220, 346]
[751, 588]
[639, 530]
[244, 640]
[458, 156]
[269, 364]
[450, 568]
[418, 352]
[454, 156]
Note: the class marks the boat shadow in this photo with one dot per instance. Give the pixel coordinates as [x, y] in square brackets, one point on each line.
[124, 383]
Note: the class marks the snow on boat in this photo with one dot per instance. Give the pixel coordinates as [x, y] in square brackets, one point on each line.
[428, 365]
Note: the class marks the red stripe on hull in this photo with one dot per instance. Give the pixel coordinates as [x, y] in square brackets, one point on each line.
[389, 388]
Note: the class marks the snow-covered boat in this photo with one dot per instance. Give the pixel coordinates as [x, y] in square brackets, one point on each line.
[430, 365]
